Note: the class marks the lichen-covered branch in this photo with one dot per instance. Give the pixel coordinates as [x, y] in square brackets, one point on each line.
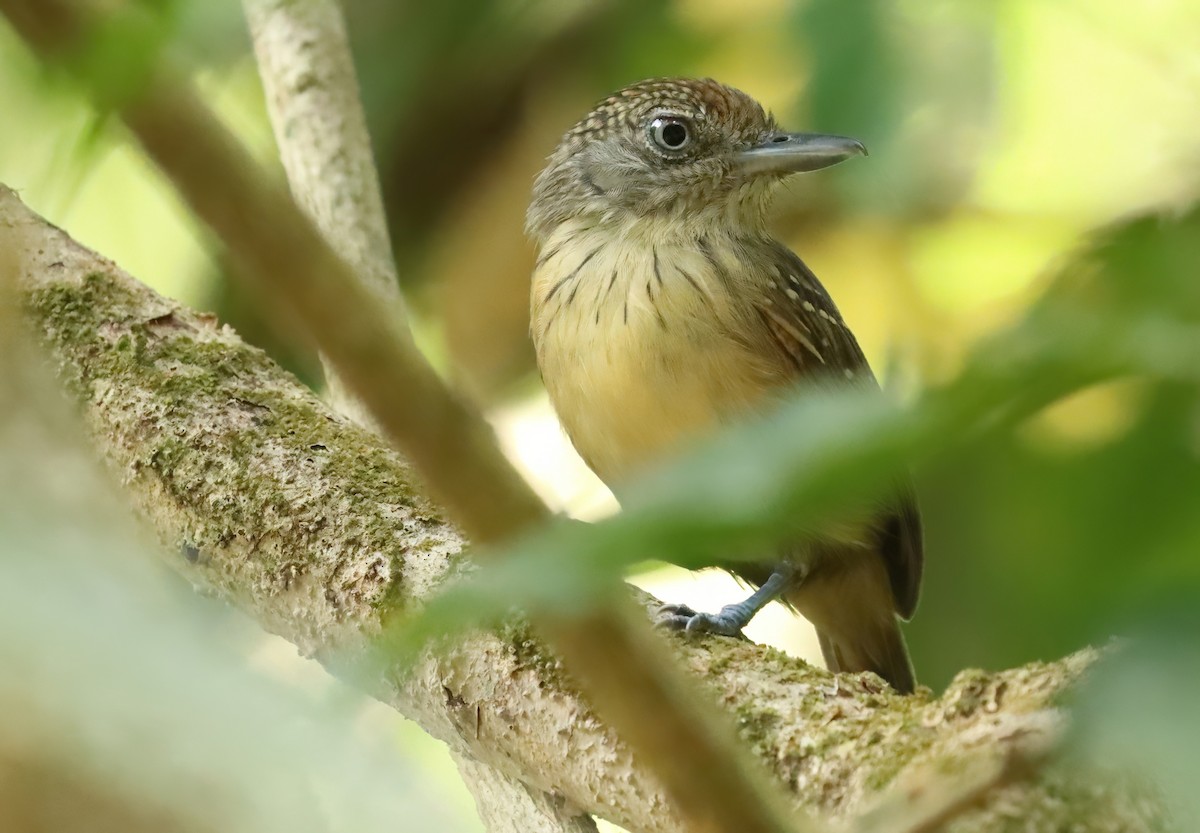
[312, 95]
[304, 61]
[313, 526]
[304, 282]
[311, 89]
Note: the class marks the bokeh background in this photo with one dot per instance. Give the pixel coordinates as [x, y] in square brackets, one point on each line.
[1002, 134]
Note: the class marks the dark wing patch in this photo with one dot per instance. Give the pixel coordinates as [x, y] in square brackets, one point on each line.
[806, 325]
[903, 548]
[804, 321]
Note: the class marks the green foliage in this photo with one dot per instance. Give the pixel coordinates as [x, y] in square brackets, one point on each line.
[855, 68]
[873, 68]
[1037, 516]
[1139, 710]
[117, 50]
[1065, 545]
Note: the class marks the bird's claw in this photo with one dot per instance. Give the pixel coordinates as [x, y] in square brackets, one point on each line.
[673, 617]
[680, 617]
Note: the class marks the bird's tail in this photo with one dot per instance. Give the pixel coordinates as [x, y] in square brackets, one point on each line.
[851, 605]
[870, 644]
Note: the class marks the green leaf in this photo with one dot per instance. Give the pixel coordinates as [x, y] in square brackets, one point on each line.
[1139, 712]
[821, 458]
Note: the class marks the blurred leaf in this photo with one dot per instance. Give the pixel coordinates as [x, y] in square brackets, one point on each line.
[822, 457]
[1060, 544]
[908, 85]
[855, 71]
[855, 81]
[118, 49]
[1140, 711]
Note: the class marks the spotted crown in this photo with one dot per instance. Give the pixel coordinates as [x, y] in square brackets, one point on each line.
[741, 117]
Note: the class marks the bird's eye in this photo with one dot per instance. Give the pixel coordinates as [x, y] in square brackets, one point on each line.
[670, 134]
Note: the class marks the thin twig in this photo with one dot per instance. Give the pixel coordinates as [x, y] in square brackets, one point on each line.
[313, 100]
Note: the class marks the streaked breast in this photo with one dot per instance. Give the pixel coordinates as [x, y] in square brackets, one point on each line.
[642, 345]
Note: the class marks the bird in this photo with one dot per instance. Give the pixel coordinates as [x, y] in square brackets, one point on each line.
[662, 310]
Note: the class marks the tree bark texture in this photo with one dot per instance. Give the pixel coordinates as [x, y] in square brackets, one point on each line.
[312, 94]
[318, 530]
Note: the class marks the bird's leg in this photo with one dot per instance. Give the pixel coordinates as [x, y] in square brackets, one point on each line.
[734, 617]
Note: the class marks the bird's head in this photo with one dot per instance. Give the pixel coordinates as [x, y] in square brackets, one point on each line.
[679, 149]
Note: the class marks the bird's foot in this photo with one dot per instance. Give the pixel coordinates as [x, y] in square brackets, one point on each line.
[680, 617]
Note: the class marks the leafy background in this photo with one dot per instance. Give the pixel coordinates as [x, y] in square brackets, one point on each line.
[1007, 138]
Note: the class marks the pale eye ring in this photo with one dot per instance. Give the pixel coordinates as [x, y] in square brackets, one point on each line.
[670, 134]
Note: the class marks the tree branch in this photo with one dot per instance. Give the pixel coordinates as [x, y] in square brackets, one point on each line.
[320, 129]
[312, 526]
[611, 652]
[321, 132]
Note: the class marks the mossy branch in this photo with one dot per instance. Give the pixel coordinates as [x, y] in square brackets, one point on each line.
[308, 288]
[307, 72]
[313, 527]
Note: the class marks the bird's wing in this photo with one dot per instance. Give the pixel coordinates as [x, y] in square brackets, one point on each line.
[805, 325]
